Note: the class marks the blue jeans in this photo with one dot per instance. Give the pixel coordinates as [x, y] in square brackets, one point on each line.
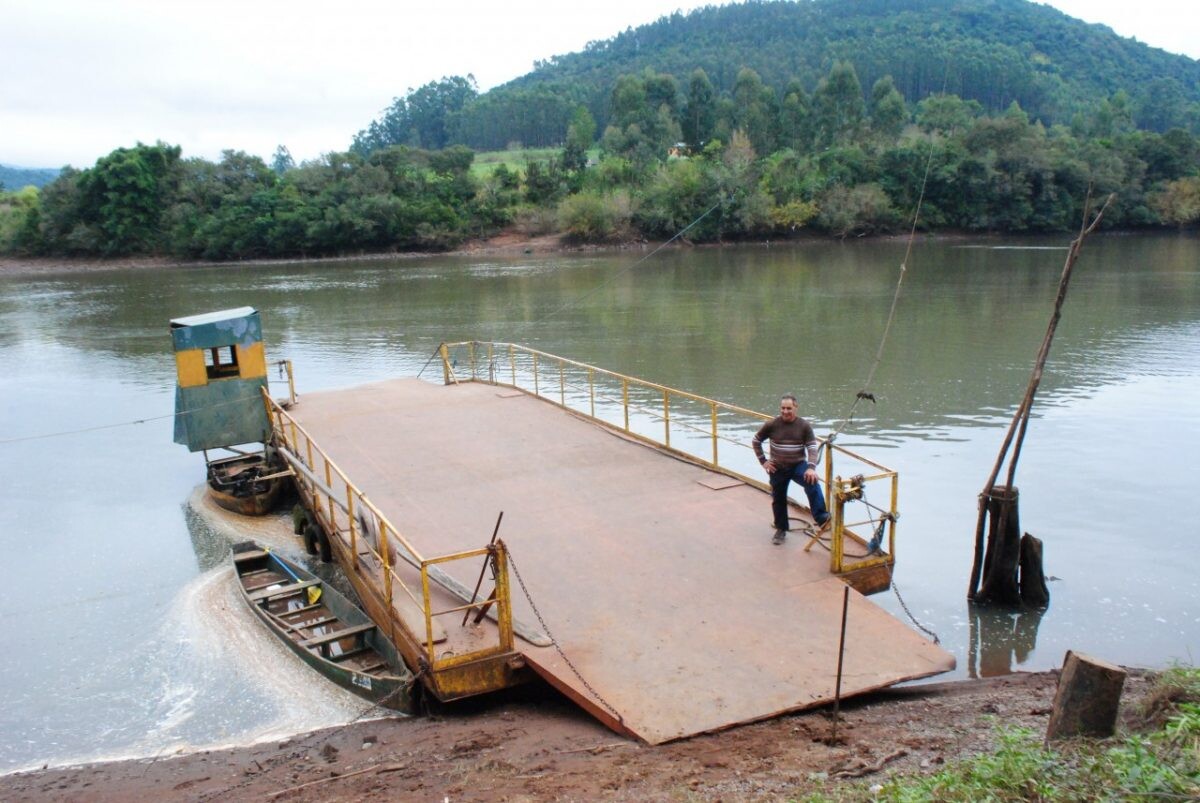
[779, 494]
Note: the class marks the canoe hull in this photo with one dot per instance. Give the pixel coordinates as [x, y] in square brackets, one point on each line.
[285, 605]
[234, 484]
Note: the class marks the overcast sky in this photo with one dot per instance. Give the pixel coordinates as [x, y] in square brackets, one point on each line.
[83, 77]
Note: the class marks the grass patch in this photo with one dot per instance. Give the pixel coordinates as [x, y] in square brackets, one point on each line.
[485, 163]
[1157, 759]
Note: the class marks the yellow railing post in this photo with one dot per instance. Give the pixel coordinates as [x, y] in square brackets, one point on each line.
[625, 399]
[387, 564]
[329, 485]
[427, 605]
[667, 419]
[352, 523]
[892, 528]
[445, 352]
[715, 461]
[503, 600]
[836, 523]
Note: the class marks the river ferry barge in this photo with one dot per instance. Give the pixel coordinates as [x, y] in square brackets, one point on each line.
[532, 515]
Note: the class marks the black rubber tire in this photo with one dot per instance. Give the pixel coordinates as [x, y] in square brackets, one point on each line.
[299, 519]
[311, 538]
[323, 544]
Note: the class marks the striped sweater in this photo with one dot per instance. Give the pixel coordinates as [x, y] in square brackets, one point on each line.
[791, 442]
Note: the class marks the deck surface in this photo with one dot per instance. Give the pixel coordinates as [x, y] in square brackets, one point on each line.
[666, 594]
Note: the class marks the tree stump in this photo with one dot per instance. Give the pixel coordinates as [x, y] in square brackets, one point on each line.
[1034, 592]
[1003, 554]
[1087, 700]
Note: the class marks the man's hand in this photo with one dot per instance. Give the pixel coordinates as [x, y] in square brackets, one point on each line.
[769, 466]
[810, 475]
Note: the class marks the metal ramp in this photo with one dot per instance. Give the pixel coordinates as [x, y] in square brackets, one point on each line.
[656, 576]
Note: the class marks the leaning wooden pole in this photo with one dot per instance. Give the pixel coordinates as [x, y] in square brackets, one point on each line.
[1020, 419]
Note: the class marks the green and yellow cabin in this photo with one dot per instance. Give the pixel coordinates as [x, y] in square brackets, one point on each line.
[221, 368]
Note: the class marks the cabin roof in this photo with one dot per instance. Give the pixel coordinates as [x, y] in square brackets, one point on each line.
[213, 317]
[240, 326]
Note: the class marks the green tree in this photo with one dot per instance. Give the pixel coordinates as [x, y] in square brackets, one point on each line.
[795, 118]
[861, 209]
[20, 219]
[839, 110]
[580, 135]
[947, 114]
[889, 114]
[420, 118]
[700, 111]
[282, 161]
[124, 196]
[755, 110]
[1113, 117]
[595, 217]
[1178, 203]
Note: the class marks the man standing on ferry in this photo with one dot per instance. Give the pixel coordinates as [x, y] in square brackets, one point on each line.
[794, 456]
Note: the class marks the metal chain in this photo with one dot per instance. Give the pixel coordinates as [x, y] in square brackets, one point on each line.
[546, 628]
[904, 605]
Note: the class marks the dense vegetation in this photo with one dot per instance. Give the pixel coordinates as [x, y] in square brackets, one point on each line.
[734, 158]
[990, 51]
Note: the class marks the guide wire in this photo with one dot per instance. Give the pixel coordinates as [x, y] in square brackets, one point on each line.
[61, 433]
[866, 392]
[625, 270]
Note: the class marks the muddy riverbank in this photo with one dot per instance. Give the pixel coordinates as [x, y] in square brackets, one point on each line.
[531, 744]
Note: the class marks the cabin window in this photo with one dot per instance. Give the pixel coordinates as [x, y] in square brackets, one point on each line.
[221, 362]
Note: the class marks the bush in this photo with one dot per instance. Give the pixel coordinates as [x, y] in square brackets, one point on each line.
[593, 217]
[861, 209]
[534, 221]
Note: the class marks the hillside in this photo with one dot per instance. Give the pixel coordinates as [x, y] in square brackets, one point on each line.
[14, 178]
[991, 51]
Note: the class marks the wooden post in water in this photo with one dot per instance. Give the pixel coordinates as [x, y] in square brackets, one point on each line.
[1003, 549]
[1005, 543]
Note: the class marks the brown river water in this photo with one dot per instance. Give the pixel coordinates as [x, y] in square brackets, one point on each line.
[123, 637]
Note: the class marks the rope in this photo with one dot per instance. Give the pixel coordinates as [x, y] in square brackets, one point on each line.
[99, 427]
[866, 393]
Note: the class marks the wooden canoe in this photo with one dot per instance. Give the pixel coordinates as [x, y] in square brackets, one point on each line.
[246, 484]
[326, 630]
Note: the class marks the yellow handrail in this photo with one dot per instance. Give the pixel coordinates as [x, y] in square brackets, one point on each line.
[324, 502]
[669, 396]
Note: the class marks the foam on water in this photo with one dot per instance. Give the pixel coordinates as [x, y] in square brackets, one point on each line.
[210, 675]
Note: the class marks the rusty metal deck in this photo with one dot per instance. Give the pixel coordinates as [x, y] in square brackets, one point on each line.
[666, 594]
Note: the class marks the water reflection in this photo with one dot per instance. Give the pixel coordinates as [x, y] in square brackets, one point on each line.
[999, 640]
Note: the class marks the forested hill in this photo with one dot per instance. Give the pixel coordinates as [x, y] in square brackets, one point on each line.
[14, 178]
[991, 51]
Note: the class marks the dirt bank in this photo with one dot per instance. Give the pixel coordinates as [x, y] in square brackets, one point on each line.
[532, 745]
[504, 244]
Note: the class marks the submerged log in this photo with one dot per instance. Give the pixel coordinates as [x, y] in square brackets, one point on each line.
[1088, 698]
[999, 585]
[1034, 592]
